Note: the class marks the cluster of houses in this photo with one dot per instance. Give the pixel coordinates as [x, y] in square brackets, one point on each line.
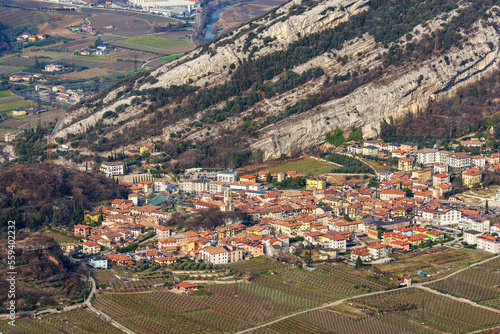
[99, 51]
[440, 162]
[25, 77]
[53, 68]
[27, 37]
[366, 222]
[85, 28]
[60, 93]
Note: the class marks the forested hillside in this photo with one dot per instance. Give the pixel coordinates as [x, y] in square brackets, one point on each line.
[473, 109]
[41, 194]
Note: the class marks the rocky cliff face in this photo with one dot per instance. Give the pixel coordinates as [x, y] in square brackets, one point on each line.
[400, 90]
[395, 95]
[209, 68]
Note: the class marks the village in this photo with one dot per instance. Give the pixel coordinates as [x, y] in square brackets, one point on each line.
[404, 212]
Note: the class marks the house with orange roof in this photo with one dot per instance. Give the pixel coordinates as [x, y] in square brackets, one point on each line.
[488, 243]
[248, 178]
[80, 230]
[471, 177]
[400, 244]
[363, 253]
[185, 287]
[378, 250]
[91, 247]
[334, 240]
[435, 235]
[417, 239]
[391, 194]
[165, 260]
[119, 259]
[405, 164]
[163, 232]
[254, 249]
[167, 244]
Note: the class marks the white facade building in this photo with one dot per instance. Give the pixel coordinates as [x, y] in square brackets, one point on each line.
[112, 168]
[228, 176]
[488, 243]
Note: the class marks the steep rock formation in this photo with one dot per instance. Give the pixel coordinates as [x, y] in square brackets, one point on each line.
[369, 105]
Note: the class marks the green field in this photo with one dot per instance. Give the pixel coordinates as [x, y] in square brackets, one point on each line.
[305, 166]
[5, 93]
[7, 106]
[61, 238]
[170, 58]
[155, 41]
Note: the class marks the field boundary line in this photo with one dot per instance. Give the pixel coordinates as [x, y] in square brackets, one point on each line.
[418, 285]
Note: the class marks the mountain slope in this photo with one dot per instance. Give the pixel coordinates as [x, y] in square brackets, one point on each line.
[275, 85]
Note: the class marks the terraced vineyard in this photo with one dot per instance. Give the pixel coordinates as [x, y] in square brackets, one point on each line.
[75, 321]
[256, 265]
[439, 312]
[219, 309]
[338, 282]
[479, 283]
[108, 278]
[275, 289]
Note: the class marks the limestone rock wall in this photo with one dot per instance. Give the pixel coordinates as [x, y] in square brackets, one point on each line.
[396, 95]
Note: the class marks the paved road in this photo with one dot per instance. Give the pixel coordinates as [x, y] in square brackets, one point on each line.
[418, 285]
[115, 323]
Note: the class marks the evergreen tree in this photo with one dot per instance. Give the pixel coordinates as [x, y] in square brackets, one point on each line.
[486, 206]
[359, 263]
[269, 178]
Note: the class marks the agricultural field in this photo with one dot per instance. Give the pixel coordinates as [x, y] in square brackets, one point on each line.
[156, 44]
[5, 93]
[120, 25]
[439, 312]
[336, 282]
[10, 105]
[305, 166]
[436, 261]
[217, 309]
[18, 17]
[480, 284]
[333, 281]
[61, 238]
[74, 321]
[8, 69]
[109, 280]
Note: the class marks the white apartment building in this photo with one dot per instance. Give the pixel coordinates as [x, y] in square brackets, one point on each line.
[470, 236]
[112, 168]
[438, 216]
[454, 160]
[488, 243]
[192, 186]
[162, 185]
[474, 223]
[334, 241]
[220, 255]
[378, 251]
[227, 176]
[478, 161]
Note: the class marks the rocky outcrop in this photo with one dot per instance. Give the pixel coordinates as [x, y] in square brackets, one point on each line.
[209, 68]
[395, 95]
[402, 89]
